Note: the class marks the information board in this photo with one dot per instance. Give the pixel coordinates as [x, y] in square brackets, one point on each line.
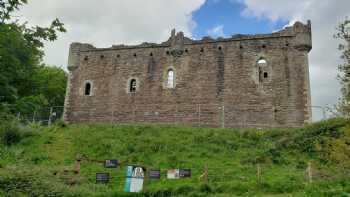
[185, 173]
[173, 174]
[134, 179]
[113, 163]
[102, 177]
[154, 174]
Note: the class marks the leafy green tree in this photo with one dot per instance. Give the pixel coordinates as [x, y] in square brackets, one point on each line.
[343, 33]
[50, 81]
[24, 81]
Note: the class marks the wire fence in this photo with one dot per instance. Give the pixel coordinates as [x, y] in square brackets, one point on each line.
[198, 115]
[201, 115]
[43, 116]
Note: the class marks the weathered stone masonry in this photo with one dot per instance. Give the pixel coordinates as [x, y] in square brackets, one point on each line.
[242, 81]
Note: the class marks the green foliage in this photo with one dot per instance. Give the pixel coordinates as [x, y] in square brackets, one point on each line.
[343, 34]
[7, 7]
[12, 132]
[317, 139]
[28, 183]
[231, 156]
[50, 82]
[25, 84]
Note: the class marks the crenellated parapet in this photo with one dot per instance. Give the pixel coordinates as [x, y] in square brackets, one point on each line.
[301, 32]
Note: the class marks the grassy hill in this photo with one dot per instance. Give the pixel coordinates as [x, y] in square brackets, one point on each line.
[38, 160]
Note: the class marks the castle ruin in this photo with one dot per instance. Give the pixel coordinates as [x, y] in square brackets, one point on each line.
[243, 81]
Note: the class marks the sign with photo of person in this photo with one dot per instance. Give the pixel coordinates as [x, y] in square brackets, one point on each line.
[173, 174]
[134, 179]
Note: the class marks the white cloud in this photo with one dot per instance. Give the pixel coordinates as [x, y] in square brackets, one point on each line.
[107, 22]
[324, 57]
[217, 31]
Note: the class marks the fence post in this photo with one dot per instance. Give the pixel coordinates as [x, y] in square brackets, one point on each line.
[51, 110]
[258, 173]
[176, 113]
[223, 116]
[134, 113]
[199, 114]
[309, 172]
[205, 175]
[34, 116]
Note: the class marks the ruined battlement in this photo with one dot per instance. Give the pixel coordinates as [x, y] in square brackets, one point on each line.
[298, 29]
[261, 80]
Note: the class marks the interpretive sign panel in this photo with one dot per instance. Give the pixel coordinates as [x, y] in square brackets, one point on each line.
[134, 179]
[185, 173]
[154, 174]
[173, 174]
[111, 163]
[102, 177]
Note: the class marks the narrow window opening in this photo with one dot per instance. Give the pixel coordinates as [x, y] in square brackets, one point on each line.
[118, 56]
[202, 50]
[135, 55]
[87, 89]
[167, 52]
[132, 85]
[220, 48]
[86, 58]
[263, 46]
[266, 75]
[102, 56]
[151, 54]
[170, 79]
[186, 50]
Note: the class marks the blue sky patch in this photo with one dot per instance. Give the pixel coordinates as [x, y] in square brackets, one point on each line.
[223, 18]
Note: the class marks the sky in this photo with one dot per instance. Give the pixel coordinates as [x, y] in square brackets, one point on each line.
[104, 23]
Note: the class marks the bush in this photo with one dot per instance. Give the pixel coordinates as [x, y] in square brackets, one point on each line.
[313, 137]
[13, 132]
[27, 183]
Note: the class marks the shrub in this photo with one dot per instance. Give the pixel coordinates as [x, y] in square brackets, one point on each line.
[9, 133]
[13, 132]
[313, 137]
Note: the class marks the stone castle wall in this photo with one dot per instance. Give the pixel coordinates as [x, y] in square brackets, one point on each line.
[217, 82]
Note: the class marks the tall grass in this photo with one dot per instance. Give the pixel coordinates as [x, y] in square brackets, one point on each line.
[44, 161]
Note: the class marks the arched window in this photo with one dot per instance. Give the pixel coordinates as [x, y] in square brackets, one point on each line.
[133, 85]
[262, 61]
[170, 79]
[87, 91]
[263, 69]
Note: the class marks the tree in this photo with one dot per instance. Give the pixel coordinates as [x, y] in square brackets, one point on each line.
[343, 33]
[22, 73]
[51, 81]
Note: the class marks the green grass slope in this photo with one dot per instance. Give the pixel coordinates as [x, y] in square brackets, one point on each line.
[40, 162]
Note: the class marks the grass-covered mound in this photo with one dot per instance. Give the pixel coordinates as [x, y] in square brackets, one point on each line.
[40, 160]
